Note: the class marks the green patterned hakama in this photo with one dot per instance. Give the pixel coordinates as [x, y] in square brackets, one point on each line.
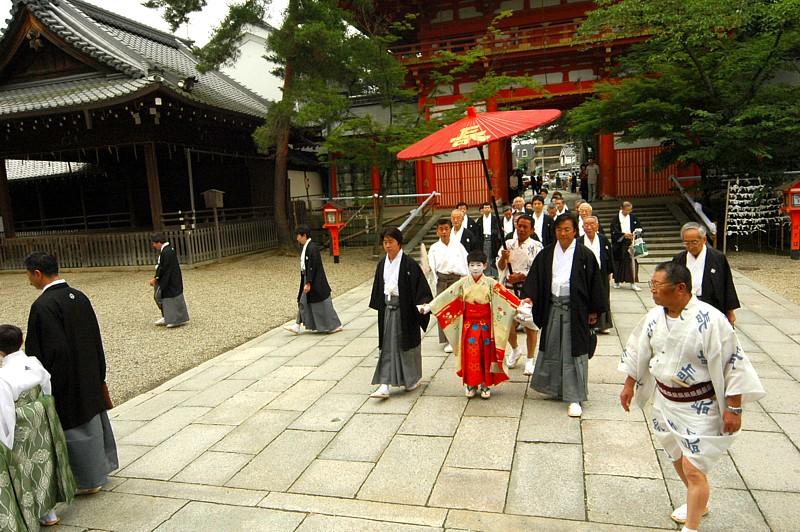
[35, 474]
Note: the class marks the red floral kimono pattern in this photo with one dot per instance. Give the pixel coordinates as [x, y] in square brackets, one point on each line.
[479, 358]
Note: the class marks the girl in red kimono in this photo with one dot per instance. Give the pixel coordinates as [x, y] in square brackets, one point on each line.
[476, 314]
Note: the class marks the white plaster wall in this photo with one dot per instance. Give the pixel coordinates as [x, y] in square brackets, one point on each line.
[297, 187]
[251, 69]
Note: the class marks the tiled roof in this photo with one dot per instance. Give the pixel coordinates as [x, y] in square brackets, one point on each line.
[58, 94]
[23, 169]
[142, 56]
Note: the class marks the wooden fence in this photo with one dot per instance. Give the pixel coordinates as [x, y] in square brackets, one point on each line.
[134, 248]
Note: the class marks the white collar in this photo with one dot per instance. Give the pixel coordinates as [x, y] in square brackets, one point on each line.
[563, 251]
[57, 281]
[701, 257]
[398, 257]
[165, 244]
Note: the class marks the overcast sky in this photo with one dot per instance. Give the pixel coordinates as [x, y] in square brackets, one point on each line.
[199, 27]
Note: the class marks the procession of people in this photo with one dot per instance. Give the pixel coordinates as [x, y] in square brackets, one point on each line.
[554, 275]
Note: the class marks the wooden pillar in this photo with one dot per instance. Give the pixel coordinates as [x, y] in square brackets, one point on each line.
[6, 210]
[607, 159]
[153, 185]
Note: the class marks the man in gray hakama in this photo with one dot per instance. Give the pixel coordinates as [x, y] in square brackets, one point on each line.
[168, 284]
[566, 291]
[64, 335]
[398, 289]
[315, 308]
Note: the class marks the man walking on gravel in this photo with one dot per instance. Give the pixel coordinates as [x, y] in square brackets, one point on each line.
[64, 335]
[168, 284]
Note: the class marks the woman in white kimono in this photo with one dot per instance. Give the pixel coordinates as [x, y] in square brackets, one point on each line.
[34, 465]
[687, 351]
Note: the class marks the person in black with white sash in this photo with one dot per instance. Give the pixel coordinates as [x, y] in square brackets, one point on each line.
[316, 312]
[168, 284]
[397, 291]
[64, 335]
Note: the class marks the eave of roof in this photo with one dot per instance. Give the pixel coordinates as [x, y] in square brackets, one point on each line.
[133, 49]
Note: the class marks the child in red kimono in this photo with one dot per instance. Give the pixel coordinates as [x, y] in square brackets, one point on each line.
[476, 314]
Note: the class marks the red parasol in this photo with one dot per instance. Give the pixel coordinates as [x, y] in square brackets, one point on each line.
[475, 130]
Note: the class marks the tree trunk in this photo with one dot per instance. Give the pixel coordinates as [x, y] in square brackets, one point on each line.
[282, 167]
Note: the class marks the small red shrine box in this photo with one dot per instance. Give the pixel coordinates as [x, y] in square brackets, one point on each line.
[332, 221]
[792, 207]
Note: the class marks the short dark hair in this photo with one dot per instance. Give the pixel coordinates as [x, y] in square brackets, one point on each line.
[158, 237]
[485, 204]
[557, 194]
[526, 217]
[44, 262]
[567, 217]
[676, 273]
[10, 338]
[476, 255]
[460, 203]
[507, 208]
[392, 232]
[443, 221]
[303, 229]
[537, 198]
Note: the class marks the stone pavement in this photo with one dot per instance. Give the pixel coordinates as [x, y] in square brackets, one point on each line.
[279, 434]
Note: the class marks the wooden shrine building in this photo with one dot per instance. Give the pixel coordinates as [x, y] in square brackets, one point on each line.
[108, 129]
[537, 41]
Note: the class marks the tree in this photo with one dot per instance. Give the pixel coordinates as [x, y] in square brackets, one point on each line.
[708, 81]
[311, 51]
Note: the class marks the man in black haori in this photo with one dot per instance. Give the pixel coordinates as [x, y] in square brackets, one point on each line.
[399, 287]
[711, 274]
[565, 289]
[168, 284]
[64, 335]
[623, 227]
[599, 245]
[315, 308]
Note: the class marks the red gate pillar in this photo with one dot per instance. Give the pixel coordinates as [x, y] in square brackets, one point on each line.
[607, 159]
[497, 158]
[375, 179]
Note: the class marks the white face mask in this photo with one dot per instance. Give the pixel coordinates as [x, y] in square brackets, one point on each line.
[475, 268]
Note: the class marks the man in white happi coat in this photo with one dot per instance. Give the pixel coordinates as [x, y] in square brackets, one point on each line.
[519, 255]
[688, 353]
[447, 259]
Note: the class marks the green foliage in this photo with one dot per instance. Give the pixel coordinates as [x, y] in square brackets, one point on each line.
[176, 12]
[710, 80]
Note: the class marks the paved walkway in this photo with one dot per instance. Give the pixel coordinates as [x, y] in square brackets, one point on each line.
[279, 434]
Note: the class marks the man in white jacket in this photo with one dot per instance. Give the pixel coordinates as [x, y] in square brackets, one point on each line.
[686, 352]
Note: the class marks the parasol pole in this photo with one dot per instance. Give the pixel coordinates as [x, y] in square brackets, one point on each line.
[494, 204]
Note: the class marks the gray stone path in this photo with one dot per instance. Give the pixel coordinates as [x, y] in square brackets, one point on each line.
[279, 434]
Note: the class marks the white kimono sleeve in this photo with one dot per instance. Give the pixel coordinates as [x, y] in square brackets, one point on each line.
[739, 375]
[8, 415]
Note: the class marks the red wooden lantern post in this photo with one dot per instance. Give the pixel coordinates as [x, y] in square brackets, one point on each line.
[332, 218]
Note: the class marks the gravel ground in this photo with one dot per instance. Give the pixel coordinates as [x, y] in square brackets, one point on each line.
[777, 272]
[229, 303]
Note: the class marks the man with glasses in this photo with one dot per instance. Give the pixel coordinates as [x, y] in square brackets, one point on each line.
[711, 273]
[686, 352]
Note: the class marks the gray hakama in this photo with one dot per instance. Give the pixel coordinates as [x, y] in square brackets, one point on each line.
[557, 373]
[92, 452]
[396, 367]
[319, 317]
[172, 308]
